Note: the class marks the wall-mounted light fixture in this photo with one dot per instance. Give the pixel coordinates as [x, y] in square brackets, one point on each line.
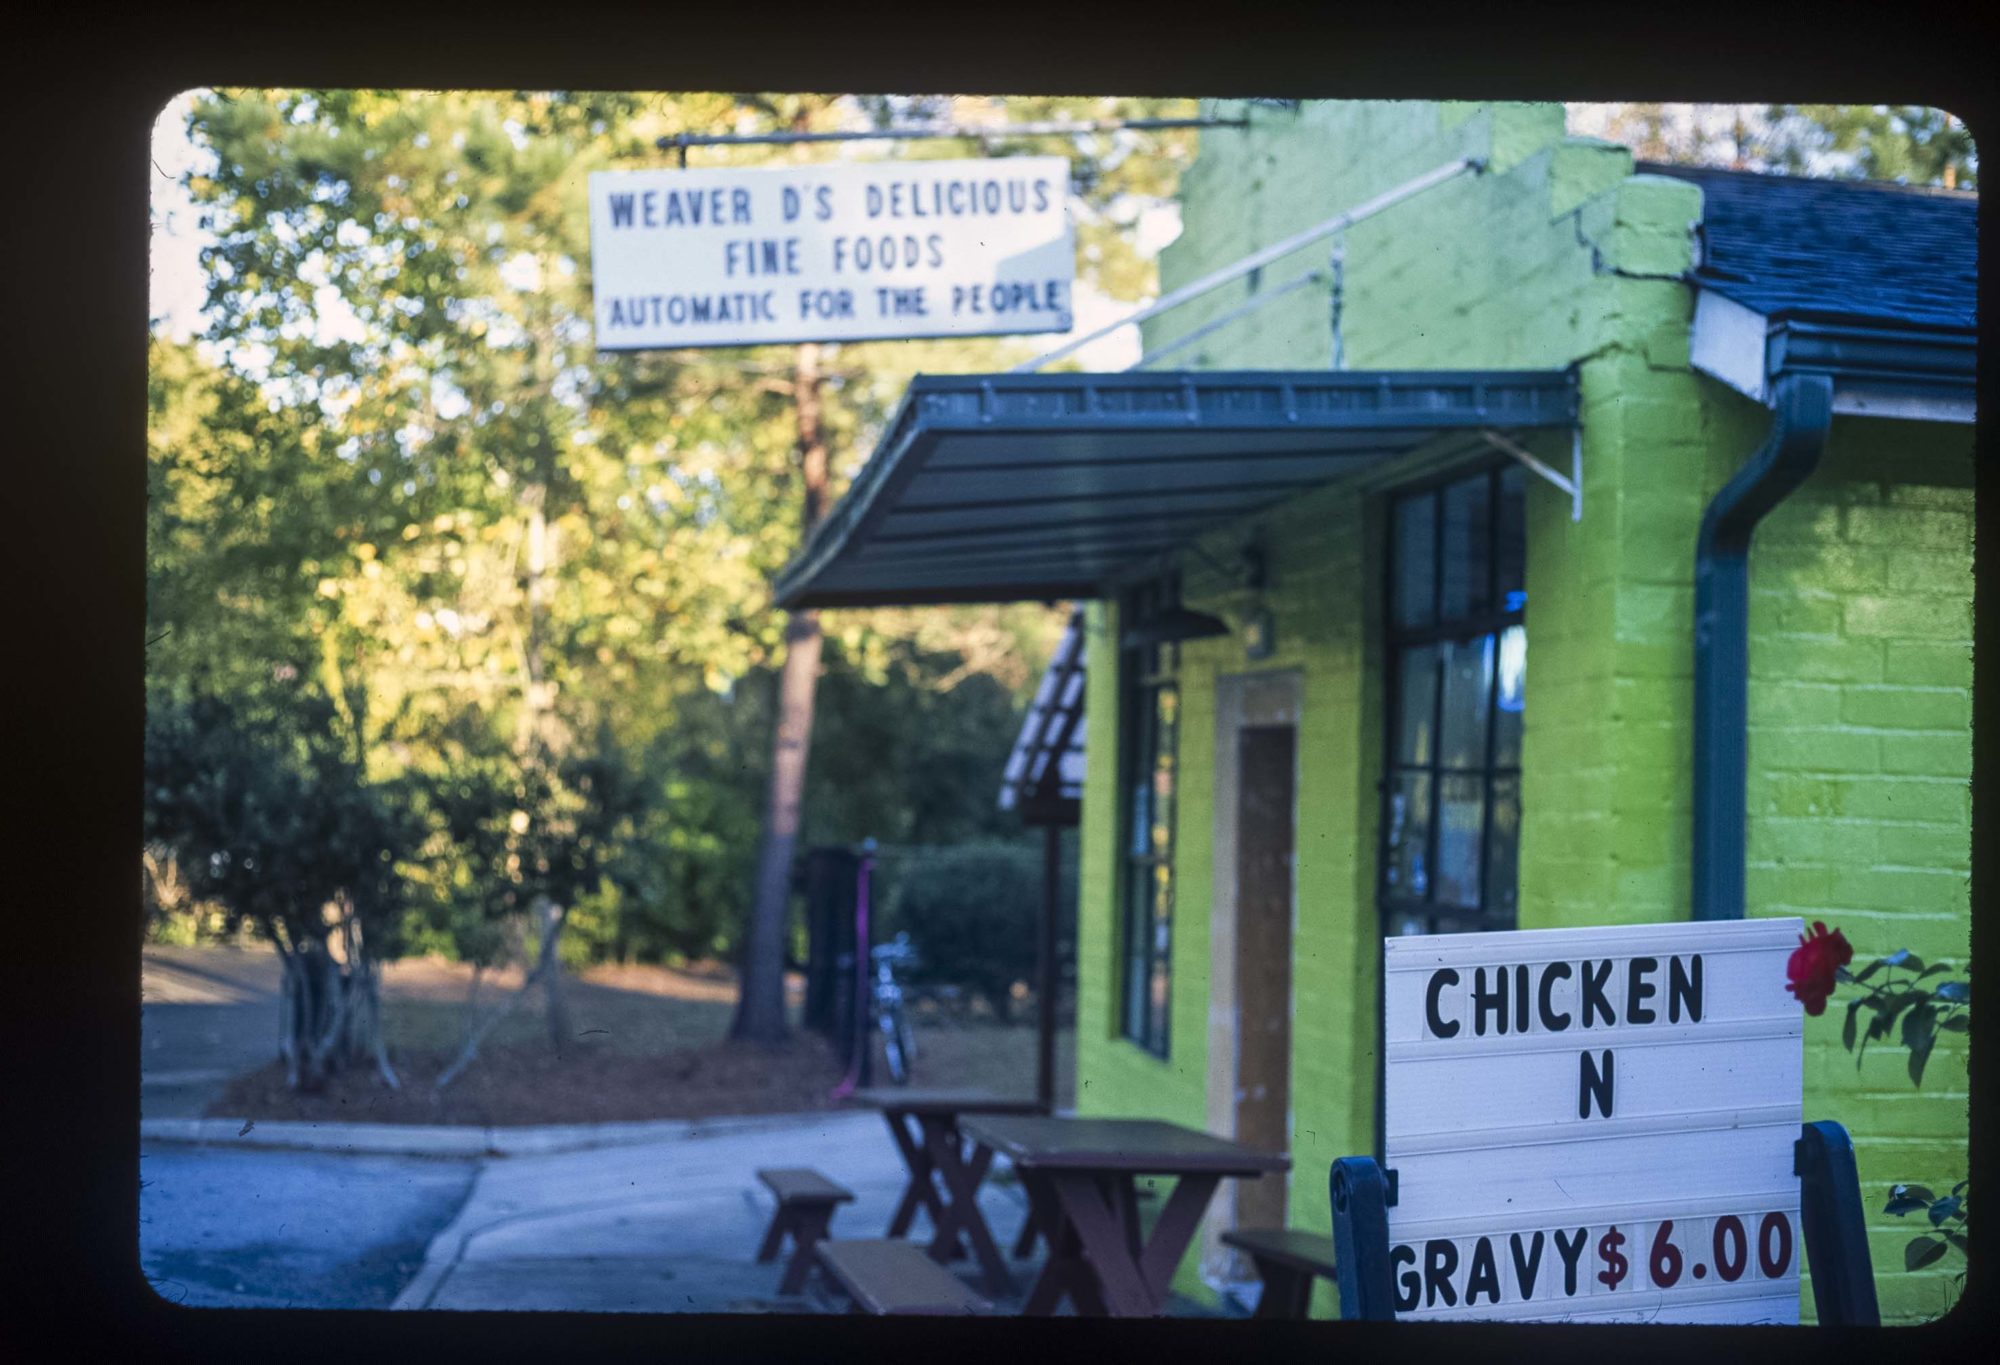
[1259, 634]
[1259, 629]
[1171, 625]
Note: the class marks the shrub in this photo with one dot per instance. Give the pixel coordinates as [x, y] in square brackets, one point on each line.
[971, 912]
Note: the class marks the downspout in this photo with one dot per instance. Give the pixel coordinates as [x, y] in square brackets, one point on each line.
[1803, 414]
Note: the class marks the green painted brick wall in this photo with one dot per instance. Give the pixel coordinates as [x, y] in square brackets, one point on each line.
[1860, 770]
[1860, 730]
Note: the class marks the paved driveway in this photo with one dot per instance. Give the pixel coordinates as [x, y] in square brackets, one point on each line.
[206, 1014]
[263, 1228]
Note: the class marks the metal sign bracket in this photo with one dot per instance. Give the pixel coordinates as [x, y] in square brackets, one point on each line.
[1572, 485]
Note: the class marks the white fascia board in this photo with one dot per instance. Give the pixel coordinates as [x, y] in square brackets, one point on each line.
[1728, 342]
[1731, 343]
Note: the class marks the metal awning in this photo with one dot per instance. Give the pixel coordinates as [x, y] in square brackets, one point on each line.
[1044, 775]
[1043, 487]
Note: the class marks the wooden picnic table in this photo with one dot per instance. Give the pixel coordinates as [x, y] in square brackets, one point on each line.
[1082, 1176]
[927, 1130]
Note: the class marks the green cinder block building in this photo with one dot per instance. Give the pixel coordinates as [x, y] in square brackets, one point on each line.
[1562, 541]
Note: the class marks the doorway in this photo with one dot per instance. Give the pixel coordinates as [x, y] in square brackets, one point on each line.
[1251, 935]
[1265, 760]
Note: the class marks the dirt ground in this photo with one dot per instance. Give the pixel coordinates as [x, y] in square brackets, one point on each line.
[649, 1043]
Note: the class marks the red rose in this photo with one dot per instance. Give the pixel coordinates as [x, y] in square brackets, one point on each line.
[1809, 972]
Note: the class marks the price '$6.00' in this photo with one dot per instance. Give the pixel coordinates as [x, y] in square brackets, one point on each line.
[1576, 1262]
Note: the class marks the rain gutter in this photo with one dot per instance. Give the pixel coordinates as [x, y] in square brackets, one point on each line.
[1803, 404]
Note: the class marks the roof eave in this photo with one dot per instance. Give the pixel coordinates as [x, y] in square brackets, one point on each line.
[1906, 371]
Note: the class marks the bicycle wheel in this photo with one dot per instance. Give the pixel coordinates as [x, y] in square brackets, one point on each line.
[896, 1045]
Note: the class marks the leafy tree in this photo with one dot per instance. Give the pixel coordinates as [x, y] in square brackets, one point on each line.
[1911, 143]
[911, 751]
[1914, 144]
[970, 909]
[1112, 188]
[535, 555]
[489, 545]
[269, 816]
[541, 840]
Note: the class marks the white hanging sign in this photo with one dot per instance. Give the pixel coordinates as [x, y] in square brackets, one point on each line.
[1595, 1124]
[841, 252]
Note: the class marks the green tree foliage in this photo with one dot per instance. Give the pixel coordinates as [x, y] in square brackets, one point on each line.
[395, 470]
[1911, 144]
[906, 754]
[971, 910]
[269, 816]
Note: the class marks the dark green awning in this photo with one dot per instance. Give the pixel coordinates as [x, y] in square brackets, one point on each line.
[1017, 487]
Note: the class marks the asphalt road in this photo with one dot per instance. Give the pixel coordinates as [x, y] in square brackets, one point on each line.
[262, 1228]
[207, 1014]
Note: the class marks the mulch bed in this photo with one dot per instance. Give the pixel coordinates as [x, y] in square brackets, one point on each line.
[529, 1083]
[649, 1043]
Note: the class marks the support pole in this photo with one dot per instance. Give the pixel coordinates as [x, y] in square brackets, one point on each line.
[1836, 1228]
[1047, 975]
[1360, 1197]
[1215, 324]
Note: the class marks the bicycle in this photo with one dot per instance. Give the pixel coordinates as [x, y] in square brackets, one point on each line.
[899, 1046]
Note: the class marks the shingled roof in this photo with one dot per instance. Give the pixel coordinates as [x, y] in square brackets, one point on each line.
[1837, 250]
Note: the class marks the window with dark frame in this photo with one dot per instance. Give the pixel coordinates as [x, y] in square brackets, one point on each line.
[1457, 648]
[1150, 705]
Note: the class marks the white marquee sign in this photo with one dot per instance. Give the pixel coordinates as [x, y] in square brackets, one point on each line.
[1595, 1124]
[737, 257]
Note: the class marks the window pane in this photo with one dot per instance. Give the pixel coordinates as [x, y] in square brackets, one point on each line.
[1417, 706]
[1156, 999]
[1461, 811]
[1135, 964]
[1415, 554]
[1403, 925]
[1466, 588]
[1507, 703]
[1457, 924]
[1503, 848]
[1468, 680]
[1408, 870]
[1511, 553]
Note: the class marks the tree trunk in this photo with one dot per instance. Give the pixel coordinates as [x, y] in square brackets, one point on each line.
[329, 1012]
[310, 985]
[470, 1048]
[537, 741]
[551, 919]
[760, 1010]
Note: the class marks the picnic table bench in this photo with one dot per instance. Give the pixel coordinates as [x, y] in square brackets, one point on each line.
[926, 1125]
[1287, 1260]
[806, 1201]
[890, 1276]
[1082, 1180]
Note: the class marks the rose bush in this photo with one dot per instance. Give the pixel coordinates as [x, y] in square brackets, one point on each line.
[1814, 966]
[1895, 990]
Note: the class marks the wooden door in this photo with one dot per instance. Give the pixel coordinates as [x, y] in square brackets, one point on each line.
[1266, 759]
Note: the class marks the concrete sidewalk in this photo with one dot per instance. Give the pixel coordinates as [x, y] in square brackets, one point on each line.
[452, 1140]
[625, 1217]
[667, 1224]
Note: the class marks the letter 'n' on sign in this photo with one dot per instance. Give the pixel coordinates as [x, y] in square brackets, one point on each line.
[1593, 1083]
[1591, 1125]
